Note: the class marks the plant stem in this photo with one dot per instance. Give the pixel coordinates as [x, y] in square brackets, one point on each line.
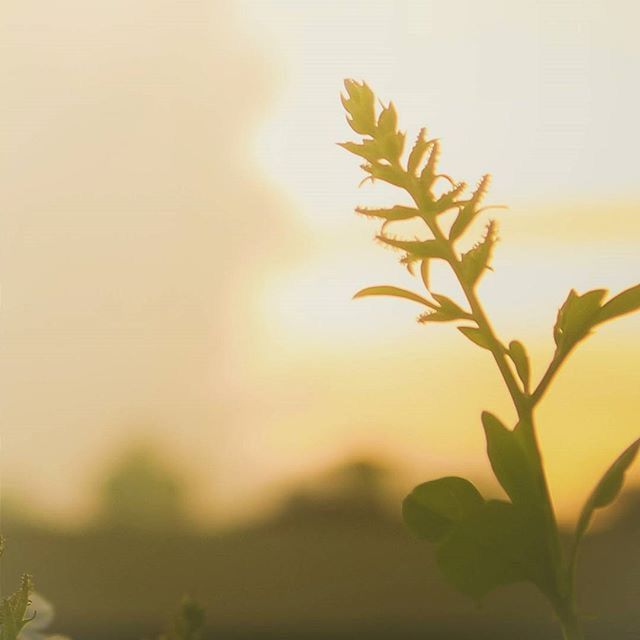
[524, 404]
[570, 624]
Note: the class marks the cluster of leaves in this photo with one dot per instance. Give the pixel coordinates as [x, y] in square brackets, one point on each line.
[13, 615]
[482, 544]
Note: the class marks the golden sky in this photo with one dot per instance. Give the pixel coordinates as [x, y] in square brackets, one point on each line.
[178, 249]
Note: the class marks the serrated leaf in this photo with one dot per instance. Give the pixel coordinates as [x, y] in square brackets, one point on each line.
[476, 336]
[396, 292]
[476, 260]
[432, 508]
[576, 317]
[360, 105]
[469, 210]
[387, 120]
[369, 149]
[418, 152]
[626, 302]
[518, 355]
[450, 308]
[608, 488]
[494, 546]
[448, 200]
[386, 173]
[510, 461]
[394, 214]
[418, 248]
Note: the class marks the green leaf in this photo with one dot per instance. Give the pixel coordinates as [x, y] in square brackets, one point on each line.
[476, 260]
[608, 488]
[469, 210]
[511, 463]
[626, 302]
[449, 308]
[14, 609]
[394, 214]
[518, 355]
[418, 151]
[387, 120]
[360, 105]
[396, 292]
[432, 508]
[448, 200]
[387, 173]
[476, 336]
[418, 248]
[428, 174]
[576, 317]
[370, 150]
[496, 545]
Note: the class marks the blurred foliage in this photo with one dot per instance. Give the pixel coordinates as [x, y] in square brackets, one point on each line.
[13, 614]
[142, 493]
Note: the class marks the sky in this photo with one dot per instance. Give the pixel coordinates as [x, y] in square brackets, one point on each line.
[178, 250]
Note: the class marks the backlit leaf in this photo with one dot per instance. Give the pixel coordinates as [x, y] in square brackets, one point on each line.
[510, 461]
[418, 152]
[432, 508]
[476, 336]
[576, 317]
[469, 210]
[394, 214]
[496, 545]
[396, 292]
[476, 260]
[608, 488]
[626, 302]
[418, 248]
[450, 308]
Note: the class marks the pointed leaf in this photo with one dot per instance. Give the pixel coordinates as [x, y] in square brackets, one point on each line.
[369, 149]
[608, 488]
[418, 248]
[387, 120]
[432, 508]
[475, 261]
[476, 336]
[450, 308]
[518, 355]
[510, 461]
[418, 151]
[496, 545]
[448, 200]
[576, 317]
[469, 210]
[394, 214]
[387, 173]
[396, 292]
[360, 105]
[626, 302]
[428, 174]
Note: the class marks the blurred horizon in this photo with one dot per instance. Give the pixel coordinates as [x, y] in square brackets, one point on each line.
[178, 248]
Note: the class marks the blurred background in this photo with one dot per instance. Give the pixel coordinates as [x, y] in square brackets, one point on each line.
[191, 401]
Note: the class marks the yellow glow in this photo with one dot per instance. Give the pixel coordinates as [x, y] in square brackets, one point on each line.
[165, 262]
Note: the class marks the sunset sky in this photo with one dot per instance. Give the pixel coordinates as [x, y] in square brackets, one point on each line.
[178, 249]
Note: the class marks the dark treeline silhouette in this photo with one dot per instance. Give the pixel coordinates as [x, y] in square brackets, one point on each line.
[334, 561]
